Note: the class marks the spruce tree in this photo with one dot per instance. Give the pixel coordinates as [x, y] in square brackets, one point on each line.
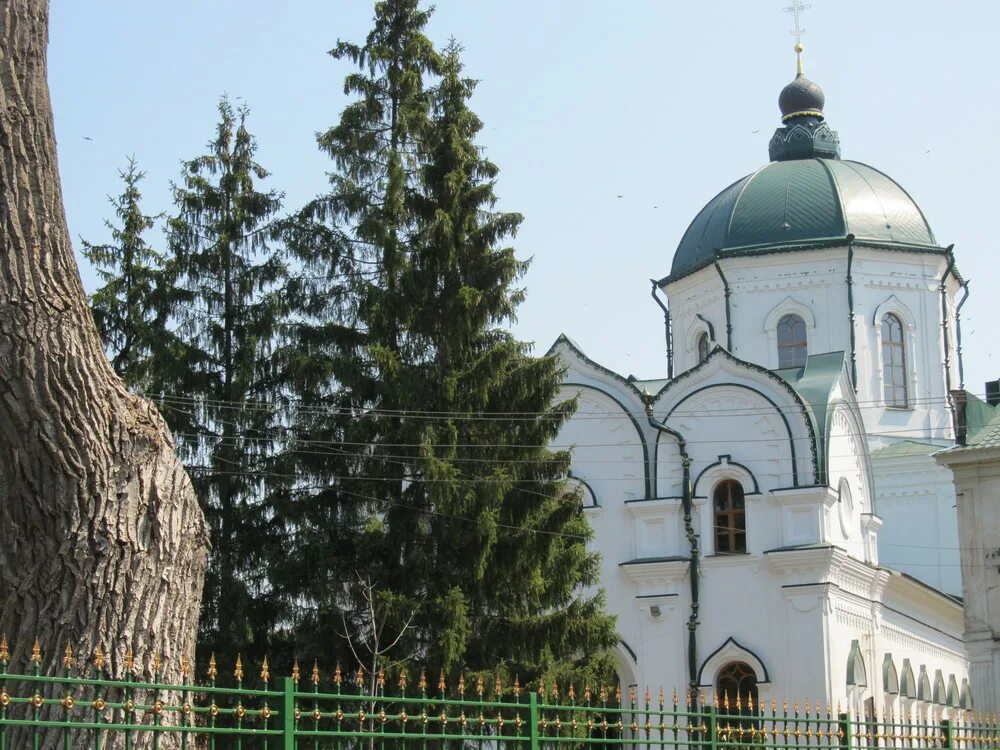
[350, 246]
[130, 308]
[229, 311]
[498, 565]
[460, 523]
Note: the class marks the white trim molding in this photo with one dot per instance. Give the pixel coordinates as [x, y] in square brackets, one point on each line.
[787, 306]
[729, 652]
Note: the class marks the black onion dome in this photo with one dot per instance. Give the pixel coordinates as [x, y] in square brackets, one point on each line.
[804, 132]
[801, 97]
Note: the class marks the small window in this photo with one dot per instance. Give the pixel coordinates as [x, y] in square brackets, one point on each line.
[893, 361]
[730, 518]
[792, 348]
[737, 684]
[703, 347]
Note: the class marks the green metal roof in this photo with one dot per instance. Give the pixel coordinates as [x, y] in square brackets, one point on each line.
[801, 202]
[815, 384]
[906, 448]
[988, 437]
[978, 414]
[982, 423]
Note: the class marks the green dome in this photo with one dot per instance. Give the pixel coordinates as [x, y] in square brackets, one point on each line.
[801, 202]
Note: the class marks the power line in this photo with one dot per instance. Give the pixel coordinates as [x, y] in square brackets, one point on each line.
[503, 416]
[274, 434]
[428, 511]
[749, 530]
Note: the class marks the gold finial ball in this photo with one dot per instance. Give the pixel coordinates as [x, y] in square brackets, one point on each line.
[799, 47]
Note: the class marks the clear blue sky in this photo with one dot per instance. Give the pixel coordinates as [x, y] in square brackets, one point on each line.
[660, 101]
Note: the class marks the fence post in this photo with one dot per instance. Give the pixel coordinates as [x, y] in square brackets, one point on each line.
[713, 728]
[288, 714]
[533, 719]
[946, 735]
[844, 722]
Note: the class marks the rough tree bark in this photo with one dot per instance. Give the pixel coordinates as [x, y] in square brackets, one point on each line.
[102, 541]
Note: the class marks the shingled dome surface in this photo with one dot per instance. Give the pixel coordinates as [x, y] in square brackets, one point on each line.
[798, 202]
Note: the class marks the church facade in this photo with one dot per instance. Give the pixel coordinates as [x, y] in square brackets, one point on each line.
[769, 516]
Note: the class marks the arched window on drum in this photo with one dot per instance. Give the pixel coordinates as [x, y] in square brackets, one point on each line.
[792, 345]
[893, 362]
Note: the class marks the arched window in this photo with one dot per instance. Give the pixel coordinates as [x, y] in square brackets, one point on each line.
[737, 682]
[703, 347]
[792, 349]
[893, 361]
[730, 517]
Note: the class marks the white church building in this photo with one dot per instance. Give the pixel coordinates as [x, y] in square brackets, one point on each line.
[769, 516]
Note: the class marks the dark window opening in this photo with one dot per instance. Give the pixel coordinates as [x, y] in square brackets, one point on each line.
[730, 517]
[737, 685]
[703, 347]
[792, 347]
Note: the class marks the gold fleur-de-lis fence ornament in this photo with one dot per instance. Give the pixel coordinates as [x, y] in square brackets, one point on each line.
[265, 672]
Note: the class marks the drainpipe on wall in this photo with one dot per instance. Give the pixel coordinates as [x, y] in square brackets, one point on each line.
[958, 334]
[950, 269]
[667, 328]
[686, 507]
[850, 312]
[729, 320]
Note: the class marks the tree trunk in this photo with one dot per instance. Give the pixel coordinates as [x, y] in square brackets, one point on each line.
[102, 541]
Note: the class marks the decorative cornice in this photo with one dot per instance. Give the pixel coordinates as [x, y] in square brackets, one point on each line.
[664, 572]
[803, 113]
[809, 137]
[751, 251]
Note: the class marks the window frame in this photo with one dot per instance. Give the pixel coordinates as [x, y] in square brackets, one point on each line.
[889, 351]
[742, 673]
[795, 345]
[730, 515]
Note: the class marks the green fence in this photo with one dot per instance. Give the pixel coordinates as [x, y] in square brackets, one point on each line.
[86, 707]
